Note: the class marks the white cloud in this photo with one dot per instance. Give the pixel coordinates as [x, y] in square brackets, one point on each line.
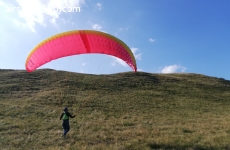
[83, 64]
[141, 70]
[3, 4]
[113, 64]
[96, 26]
[39, 11]
[123, 29]
[82, 71]
[118, 61]
[98, 6]
[136, 55]
[173, 69]
[123, 63]
[151, 40]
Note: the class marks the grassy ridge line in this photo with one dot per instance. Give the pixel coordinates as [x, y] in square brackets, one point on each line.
[118, 111]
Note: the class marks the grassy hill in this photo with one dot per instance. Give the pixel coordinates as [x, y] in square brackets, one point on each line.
[119, 111]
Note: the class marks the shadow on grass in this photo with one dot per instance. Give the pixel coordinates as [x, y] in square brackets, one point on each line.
[177, 147]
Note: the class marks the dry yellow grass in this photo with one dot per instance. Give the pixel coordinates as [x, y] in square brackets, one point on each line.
[121, 111]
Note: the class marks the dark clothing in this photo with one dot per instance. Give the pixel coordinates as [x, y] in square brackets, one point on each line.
[66, 127]
[65, 123]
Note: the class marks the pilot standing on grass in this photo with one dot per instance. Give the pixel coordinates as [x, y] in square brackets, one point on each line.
[65, 118]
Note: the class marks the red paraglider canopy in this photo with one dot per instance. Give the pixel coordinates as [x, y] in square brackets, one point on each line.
[78, 42]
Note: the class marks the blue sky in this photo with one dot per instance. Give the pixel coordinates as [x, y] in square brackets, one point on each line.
[166, 36]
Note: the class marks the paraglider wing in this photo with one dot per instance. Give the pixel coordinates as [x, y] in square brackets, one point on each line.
[78, 42]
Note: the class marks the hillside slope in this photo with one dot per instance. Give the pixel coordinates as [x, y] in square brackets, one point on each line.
[119, 111]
